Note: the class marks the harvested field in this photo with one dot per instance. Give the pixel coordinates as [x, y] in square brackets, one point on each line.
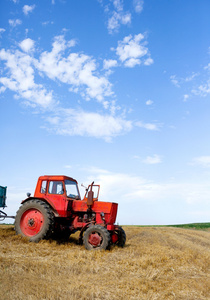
[157, 263]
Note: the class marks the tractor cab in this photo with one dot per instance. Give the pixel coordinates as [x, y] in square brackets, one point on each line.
[57, 185]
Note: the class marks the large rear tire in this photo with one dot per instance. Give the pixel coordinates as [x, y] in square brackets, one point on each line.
[34, 220]
[96, 237]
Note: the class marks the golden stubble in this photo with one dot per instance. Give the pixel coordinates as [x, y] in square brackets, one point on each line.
[156, 263]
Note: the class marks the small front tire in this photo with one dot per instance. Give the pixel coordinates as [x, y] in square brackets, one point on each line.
[96, 237]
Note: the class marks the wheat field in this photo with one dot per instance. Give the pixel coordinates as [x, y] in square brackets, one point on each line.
[156, 263]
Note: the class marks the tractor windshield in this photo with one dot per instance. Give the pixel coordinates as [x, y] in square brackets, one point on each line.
[72, 189]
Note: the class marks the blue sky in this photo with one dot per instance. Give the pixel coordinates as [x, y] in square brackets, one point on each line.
[112, 91]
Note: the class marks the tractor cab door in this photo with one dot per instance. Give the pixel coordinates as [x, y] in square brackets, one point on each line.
[56, 193]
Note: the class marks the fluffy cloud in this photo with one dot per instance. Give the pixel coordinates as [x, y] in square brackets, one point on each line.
[131, 51]
[128, 188]
[27, 45]
[174, 80]
[116, 19]
[15, 22]
[117, 16]
[138, 5]
[151, 160]
[178, 81]
[28, 8]
[72, 122]
[148, 126]
[21, 79]
[1, 31]
[207, 67]
[186, 97]
[203, 161]
[203, 90]
[77, 69]
[78, 122]
[110, 63]
[149, 102]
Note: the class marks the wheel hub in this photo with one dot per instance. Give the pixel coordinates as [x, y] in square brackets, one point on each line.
[31, 222]
[95, 239]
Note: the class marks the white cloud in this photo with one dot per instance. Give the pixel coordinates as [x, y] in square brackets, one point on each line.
[207, 67]
[203, 90]
[1, 31]
[138, 5]
[118, 4]
[121, 186]
[131, 51]
[132, 62]
[126, 19]
[128, 188]
[186, 97]
[27, 45]
[117, 16]
[191, 77]
[78, 122]
[148, 126]
[47, 23]
[14, 22]
[149, 61]
[68, 167]
[151, 160]
[110, 63]
[21, 79]
[2, 89]
[181, 80]
[203, 161]
[116, 19]
[174, 80]
[149, 102]
[28, 8]
[77, 69]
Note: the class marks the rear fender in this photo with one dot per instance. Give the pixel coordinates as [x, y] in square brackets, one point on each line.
[42, 199]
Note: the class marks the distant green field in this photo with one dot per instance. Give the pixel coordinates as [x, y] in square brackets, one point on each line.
[192, 225]
[198, 226]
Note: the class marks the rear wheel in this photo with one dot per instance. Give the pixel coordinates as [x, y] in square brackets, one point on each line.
[119, 237]
[96, 237]
[34, 220]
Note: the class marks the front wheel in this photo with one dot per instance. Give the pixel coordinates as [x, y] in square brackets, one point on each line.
[34, 220]
[96, 237]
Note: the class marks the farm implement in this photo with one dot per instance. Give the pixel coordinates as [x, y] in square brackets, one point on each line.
[56, 210]
[3, 192]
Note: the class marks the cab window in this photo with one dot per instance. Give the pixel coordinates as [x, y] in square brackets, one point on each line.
[56, 187]
[44, 186]
[72, 190]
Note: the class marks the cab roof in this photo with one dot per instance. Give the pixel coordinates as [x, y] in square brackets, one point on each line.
[57, 177]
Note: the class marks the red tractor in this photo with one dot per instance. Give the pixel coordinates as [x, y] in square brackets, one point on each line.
[56, 211]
